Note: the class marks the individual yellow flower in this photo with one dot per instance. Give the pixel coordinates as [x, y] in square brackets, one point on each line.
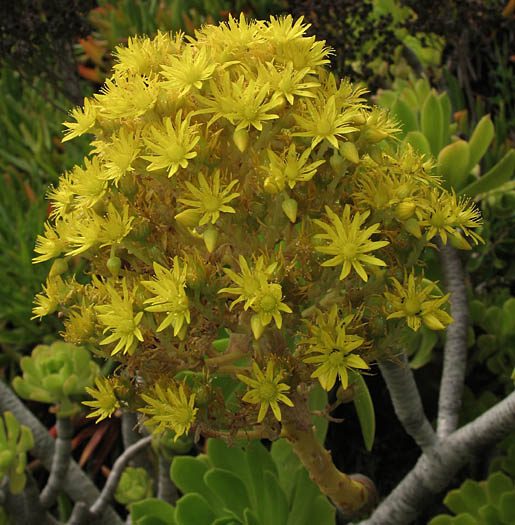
[267, 303]
[85, 119]
[127, 96]
[248, 282]
[325, 124]
[169, 410]
[266, 390]
[438, 216]
[210, 199]
[115, 226]
[414, 301]
[303, 52]
[62, 197]
[169, 288]
[348, 242]
[188, 70]
[172, 146]
[282, 29]
[329, 338]
[45, 305]
[119, 155]
[286, 81]
[87, 236]
[120, 320]
[289, 168]
[105, 402]
[466, 216]
[249, 105]
[88, 183]
[49, 245]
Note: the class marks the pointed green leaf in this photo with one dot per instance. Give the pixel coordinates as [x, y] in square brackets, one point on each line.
[406, 116]
[193, 509]
[13, 427]
[152, 511]
[305, 491]
[364, 408]
[410, 98]
[493, 178]
[287, 463]
[480, 140]
[229, 488]
[431, 122]
[453, 161]
[419, 142]
[321, 512]
[385, 98]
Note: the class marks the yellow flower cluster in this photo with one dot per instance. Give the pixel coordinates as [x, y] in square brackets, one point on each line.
[235, 164]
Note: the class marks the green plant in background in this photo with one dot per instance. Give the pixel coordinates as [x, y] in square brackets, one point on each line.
[31, 157]
[231, 486]
[490, 502]
[15, 441]
[57, 374]
[425, 117]
[135, 485]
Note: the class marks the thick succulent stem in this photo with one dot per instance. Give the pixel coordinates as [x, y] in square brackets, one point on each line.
[60, 462]
[348, 494]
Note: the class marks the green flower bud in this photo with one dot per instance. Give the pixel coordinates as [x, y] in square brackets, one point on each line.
[113, 265]
[349, 152]
[210, 237]
[289, 207]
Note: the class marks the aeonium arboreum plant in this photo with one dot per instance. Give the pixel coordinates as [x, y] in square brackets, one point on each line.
[234, 183]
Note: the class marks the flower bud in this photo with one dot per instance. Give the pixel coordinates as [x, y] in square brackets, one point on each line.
[241, 139]
[412, 226]
[459, 242]
[336, 162]
[374, 135]
[59, 266]
[113, 265]
[257, 326]
[210, 237]
[405, 210]
[349, 151]
[272, 186]
[188, 218]
[289, 207]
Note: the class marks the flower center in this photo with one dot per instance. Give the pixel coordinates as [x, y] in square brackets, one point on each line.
[412, 306]
[175, 152]
[438, 220]
[268, 391]
[335, 359]
[268, 303]
[349, 250]
[182, 415]
[324, 128]
[211, 203]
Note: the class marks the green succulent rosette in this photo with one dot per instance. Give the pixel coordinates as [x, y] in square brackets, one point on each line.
[15, 441]
[56, 374]
[135, 485]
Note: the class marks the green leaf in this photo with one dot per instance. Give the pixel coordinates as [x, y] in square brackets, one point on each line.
[489, 515]
[386, 98]
[453, 163]
[431, 122]
[495, 177]
[287, 463]
[406, 116]
[275, 503]
[480, 140]
[152, 511]
[419, 142]
[193, 509]
[259, 461]
[442, 519]
[423, 355]
[232, 459]
[422, 89]
[465, 519]
[17, 481]
[321, 512]
[507, 507]
[250, 518]
[508, 317]
[188, 475]
[229, 488]
[364, 408]
[305, 491]
[446, 114]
